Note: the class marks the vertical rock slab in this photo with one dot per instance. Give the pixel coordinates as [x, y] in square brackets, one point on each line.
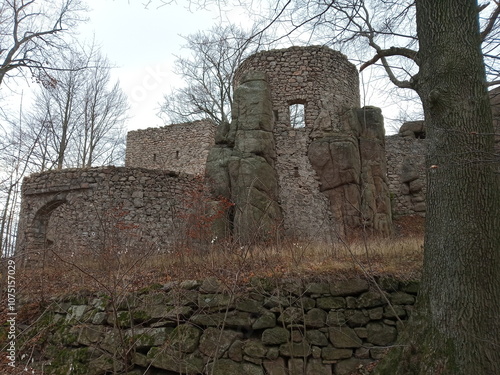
[337, 163]
[241, 165]
[376, 204]
[254, 183]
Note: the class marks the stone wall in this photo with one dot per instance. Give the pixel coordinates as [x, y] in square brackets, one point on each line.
[179, 147]
[327, 85]
[86, 208]
[406, 174]
[330, 171]
[287, 327]
[406, 171]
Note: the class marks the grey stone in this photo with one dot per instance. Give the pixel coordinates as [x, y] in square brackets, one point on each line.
[316, 337]
[413, 126]
[328, 303]
[344, 337]
[376, 313]
[394, 311]
[370, 299]
[348, 287]
[235, 351]
[295, 349]
[291, 315]
[214, 300]
[266, 320]
[76, 313]
[185, 338]
[231, 319]
[275, 367]
[296, 366]
[90, 335]
[333, 354]
[306, 303]
[362, 332]
[275, 336]
[146, 337]
[215, 342]
[318, 288]
[210, 285]
[356, 318]
[174, 361]
[336, 318]
[249, 305]
[381, 334]
[315, 318]
[254, 349]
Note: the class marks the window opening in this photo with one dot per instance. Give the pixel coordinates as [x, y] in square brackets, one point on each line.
[297, 116]
[177, 154]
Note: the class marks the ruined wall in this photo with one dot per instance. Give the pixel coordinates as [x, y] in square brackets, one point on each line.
[406, 169]
[323, 187]
[205, 327]
[327, 85]
[179, 147]
[406, 174]
[92, 209]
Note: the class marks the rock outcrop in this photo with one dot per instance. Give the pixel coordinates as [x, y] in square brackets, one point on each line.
[241, 165]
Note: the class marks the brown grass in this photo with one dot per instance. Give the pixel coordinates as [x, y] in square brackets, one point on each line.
[399, 257]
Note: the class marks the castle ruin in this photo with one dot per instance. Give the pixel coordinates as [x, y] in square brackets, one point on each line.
[299, 158]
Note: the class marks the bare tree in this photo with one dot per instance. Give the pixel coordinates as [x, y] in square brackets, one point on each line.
[31, 32]
[104, 113]
[208, 74]
[14, 164]
[78, 119]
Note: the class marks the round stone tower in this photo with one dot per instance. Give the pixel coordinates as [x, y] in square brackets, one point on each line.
[316, 77]
[298, 109]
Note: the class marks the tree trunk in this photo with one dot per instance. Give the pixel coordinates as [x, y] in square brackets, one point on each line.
[456, 327]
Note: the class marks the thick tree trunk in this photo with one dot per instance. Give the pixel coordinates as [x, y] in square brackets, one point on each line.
[456, 329]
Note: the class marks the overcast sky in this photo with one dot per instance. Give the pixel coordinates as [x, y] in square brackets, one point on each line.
[142, 43]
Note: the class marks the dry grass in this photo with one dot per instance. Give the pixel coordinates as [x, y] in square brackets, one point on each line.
[230, 263]
[115, 273]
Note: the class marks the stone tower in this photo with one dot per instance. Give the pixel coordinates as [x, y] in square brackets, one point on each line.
[299, 154]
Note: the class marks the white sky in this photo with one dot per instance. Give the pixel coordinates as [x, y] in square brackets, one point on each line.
[141, 43]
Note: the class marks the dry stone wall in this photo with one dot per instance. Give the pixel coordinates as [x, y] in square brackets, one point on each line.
[85, 209]
[269, 327]
[179, 147]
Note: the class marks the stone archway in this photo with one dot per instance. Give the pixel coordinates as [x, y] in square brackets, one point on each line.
[37, 235]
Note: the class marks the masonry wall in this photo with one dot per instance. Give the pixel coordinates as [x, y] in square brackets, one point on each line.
[179, 147]
[92, 209]
[406, 174]
[268, 327]
[326, 84]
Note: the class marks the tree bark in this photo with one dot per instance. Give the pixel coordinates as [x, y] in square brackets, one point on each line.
[456, 327]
